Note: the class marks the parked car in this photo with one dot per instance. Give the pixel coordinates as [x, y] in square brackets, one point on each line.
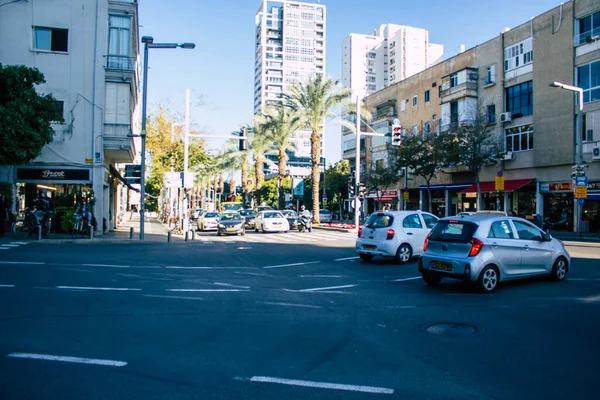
[249, 216]
[489, 249]
[292, 218]
[263, 208]
[271, 221]
[231, 223]
[398, 234]
[197, 213]
[325, 216]
[208, 221]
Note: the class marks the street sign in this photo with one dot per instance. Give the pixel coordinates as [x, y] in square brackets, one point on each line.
[581, 192]
[581, 181]
[133, 171]
[298, 185]
[580, 202]
[188, 181]
[499, 183]
[173, 179]
[405, 195]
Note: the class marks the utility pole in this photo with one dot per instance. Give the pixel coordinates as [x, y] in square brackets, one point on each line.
[186, 156]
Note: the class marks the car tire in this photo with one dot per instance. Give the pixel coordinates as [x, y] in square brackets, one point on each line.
[263, 229]
[431, 279]
[366, 257]
[488, 279]
[403, 254]
[559, 269]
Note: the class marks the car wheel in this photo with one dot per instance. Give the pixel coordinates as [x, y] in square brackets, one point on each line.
[403, 254]
[366, 257]
[559, 269]
[263, 229]
[431, 279]
[488, 279]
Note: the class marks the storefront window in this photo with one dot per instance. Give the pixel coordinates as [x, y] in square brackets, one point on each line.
[526, 203]
[558, 210]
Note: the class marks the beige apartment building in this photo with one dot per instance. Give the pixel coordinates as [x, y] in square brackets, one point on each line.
[507, 79]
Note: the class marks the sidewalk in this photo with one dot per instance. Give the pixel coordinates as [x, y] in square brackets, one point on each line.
[572, 237]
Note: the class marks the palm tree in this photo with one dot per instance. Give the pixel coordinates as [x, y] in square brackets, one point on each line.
[282, 123]
[314, 100]
[260, 144]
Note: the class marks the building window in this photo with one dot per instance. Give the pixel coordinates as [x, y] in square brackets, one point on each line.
[60, 107]
[519, 54]
[588, 126]
[119, 42]
[415, 101]
[372, 87]
[371, 79]
[588, 27]
[519, 99]
[453, 80]
[491, 114]
[427, 96]
[51, 39]
[519, 138]
[490, 75]
[588, 78]
[372, 55]
[403, 105]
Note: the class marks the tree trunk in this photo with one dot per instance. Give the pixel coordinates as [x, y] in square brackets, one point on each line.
[315, 157]
[429, 199]
[282, 165]
[478, 203]
[215, 188]
[232, 186]
[244, 180]
[259, 178]
[221, 185]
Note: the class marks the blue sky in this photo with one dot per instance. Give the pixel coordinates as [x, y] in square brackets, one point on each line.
[220, 71]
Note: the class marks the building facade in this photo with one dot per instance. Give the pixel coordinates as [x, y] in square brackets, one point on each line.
[89, 55]
[507, 81]
[290, 46]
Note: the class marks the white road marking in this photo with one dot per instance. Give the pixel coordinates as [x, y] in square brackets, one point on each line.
[292, 265]
[22, 263]
[174, 297]
[244, 248]
[407, 279]
[11, 245]
[97, 288]
[289, 304]
[584, 279]
[106, 265]
[322, 385]
[206, 290]
[72, 269]
[250, 273]
[5, 248]
[21, 243]
[321, 276]
[230, 285]
[7, 286]
[327, 288]
[175, 267]
[401, 307]
[79, 360]
[347, 258]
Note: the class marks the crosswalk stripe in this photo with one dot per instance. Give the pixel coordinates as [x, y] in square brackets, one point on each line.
[290, 237]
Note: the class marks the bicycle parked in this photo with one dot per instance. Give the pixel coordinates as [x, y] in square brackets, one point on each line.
[25, 225]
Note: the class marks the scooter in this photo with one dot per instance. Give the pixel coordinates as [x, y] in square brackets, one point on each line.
[548, 224]
[305, 224]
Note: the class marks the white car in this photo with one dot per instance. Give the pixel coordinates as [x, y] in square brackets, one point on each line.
[209, 221]
[271, 221]
[325, 216]
[397, 234]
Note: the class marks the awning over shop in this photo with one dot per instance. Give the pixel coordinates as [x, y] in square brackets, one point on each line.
[510, 185]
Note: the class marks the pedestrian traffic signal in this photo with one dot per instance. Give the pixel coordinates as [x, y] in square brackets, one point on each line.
[361, 190]
[351, 190]
[243, 145]
[396, 134]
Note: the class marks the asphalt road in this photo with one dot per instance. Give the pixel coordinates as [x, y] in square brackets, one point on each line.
[275, 319]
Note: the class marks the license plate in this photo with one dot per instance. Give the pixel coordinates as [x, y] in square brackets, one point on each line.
[230, 229]
[369, 247]
[442, 266]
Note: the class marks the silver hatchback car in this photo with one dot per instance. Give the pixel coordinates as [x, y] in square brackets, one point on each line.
[488, 249]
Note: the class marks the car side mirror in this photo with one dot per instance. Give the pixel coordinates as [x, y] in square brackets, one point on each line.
[546, 237]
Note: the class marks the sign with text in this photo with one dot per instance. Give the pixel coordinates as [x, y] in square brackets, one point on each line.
[53, 174]
[298, 185]
[499, 183]
[581, 192]
[173, 180]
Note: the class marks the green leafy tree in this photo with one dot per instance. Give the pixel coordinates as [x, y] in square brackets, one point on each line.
[26, 117]
[260, 145]
[379, 176]
[269, 193]
[336, 183]
[314, 100]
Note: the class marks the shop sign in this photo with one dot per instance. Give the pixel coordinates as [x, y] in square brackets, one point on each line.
[50, 174]
[387, 193]
[593, 185]
[554, 187]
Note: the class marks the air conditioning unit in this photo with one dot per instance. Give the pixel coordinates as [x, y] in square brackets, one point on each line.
[596, 153]
[505, 117]
[509, 155]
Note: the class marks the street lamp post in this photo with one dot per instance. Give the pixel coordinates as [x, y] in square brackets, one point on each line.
[149, 44]
[579, 133]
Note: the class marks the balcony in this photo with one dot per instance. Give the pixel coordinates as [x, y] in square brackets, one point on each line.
[117, 146]
[465, 89]
[455, 124]
[121, 63]
[587, 37]
[384, 114]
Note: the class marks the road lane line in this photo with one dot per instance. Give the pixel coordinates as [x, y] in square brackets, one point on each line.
[21, 243]
[232, 268]
[79, 360]
[292, 265]
[230, 285]
[321, 276]
[407, 279]
[97, 288]
[206, 290]
[72, 269]
[288, 304]
[106, 265]
[327, 288]
[22, 263]
[11, 245]
[250, 273]
[7, 286]
[322, 385]
[347, 258]
[584, 279]
[174, 297]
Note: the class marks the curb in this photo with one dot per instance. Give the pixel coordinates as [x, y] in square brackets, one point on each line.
[329, 228]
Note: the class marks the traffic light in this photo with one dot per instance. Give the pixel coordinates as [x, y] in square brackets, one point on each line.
[361, 190]
[351, 189]
[243, 145]
[396, 134]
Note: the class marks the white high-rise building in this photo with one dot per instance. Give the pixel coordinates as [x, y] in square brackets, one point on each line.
[390, 54]
[290, 45]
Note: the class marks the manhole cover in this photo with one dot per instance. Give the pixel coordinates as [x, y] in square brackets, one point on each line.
[452, 329]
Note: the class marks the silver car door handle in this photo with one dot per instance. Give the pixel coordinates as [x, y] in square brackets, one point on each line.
[494, 244]
[409, 233]
[526, 247]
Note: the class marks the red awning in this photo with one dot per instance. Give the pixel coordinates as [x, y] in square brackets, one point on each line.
[385, 199]
[510, 185]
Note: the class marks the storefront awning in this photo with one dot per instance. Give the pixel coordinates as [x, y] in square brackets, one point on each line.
[510, 185]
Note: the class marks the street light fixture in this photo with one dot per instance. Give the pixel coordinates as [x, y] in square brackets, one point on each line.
[149, 44]
[579, 92]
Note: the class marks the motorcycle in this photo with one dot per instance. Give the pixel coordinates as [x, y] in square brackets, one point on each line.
[548, 224]
[305, 223]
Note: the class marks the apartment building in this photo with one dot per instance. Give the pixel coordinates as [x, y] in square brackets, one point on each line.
[507, 79]
[88, 52]
[290, 46]
[387, 56]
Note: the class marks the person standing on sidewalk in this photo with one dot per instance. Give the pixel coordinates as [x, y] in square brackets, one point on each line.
[3, 212]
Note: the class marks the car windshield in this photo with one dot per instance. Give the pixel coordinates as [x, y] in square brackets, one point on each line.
[379, 220]
[232, 206]
[273, 215]
[248, 213]
[290, 214]
[453, 231]
[230, 216]
[211, 215]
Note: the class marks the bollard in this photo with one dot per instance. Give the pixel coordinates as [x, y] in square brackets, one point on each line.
[186, 236]
[193, 234]
[39, 232]
[169, 237]
[130, 233]
[91, 232]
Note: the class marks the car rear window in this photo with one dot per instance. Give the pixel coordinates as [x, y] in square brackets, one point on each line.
[379, 221]
[453, 231]
[212, 215]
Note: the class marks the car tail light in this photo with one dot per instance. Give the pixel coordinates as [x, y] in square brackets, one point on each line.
[390, 234]
[359, 231]
[425, 243]
[476, 246]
